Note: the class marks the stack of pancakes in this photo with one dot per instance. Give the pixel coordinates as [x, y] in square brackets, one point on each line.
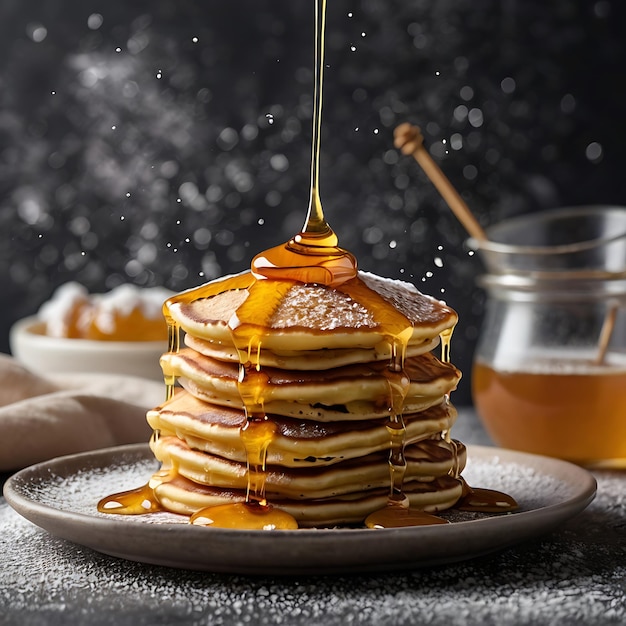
[325, 356]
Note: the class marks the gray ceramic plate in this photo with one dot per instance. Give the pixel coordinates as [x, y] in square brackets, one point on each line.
[61, 495]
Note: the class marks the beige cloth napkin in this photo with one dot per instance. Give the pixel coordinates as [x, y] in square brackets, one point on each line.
[41, 418]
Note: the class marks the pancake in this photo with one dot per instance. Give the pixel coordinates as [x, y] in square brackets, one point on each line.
[426, 460]
[313, 398]
[184, 496]
[352, 315]
[321, 359]
[331, 375]
[295, 443]
[349, 392]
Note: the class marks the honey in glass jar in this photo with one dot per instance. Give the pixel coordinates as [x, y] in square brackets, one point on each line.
[549, 373]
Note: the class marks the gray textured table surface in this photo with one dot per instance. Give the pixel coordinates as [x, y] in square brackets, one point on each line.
[575, 575]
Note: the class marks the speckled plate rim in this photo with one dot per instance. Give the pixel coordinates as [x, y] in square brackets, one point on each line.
[301, 552]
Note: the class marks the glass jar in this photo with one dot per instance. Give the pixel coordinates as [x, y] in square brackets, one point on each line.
[549, 372]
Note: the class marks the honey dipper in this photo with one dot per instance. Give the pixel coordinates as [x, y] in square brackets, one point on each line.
[409, 140]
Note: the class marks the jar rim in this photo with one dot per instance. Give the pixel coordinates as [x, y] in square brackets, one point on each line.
[592, 287]
[490, 245]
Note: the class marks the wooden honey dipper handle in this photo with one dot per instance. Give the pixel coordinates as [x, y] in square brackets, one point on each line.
[408, 139]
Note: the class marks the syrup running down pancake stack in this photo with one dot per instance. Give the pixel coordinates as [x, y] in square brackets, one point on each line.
[343, 382]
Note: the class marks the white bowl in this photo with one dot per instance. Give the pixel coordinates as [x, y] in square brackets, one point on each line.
[42, 354]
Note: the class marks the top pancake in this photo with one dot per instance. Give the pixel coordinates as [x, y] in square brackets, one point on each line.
[287, 318]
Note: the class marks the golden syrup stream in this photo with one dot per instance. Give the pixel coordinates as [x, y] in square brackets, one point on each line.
[312, 256]
[446, 339]
[173, 346]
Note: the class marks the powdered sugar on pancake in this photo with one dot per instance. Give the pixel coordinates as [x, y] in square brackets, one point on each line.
[319, 308]
[417, 307]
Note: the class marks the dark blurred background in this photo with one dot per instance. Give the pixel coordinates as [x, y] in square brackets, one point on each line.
[164, 142]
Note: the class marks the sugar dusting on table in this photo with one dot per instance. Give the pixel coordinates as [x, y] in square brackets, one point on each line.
[543, 581]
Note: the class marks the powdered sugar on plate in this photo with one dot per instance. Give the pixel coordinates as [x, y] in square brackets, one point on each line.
[79, 491]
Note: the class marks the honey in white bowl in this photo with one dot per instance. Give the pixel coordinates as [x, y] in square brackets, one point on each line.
[126, 313]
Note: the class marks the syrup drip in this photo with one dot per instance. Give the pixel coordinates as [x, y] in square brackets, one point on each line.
[446, 338]
[255, 513]
[397, 515]
[485, 500]
[173, 346]
[455, 470]
[397, 462]
[256, 435]
[400, 331]
[137, 501]
[398, 388]
[132, 502]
